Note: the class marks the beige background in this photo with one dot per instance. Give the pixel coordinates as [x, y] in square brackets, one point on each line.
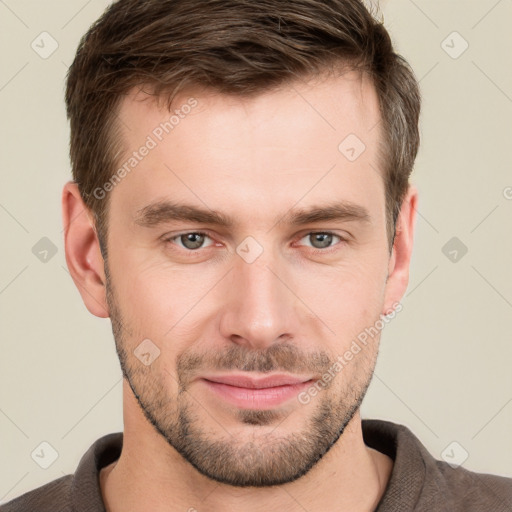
[444, 367]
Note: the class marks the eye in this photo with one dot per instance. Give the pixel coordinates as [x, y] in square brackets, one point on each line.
[321, 239]
[191, 241]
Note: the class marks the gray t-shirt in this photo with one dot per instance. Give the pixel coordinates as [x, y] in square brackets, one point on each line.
[418, 481]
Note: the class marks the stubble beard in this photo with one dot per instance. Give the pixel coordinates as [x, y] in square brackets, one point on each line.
[263, 456]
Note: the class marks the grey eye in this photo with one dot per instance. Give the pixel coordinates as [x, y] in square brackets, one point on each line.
[321, 240]
[192, 240]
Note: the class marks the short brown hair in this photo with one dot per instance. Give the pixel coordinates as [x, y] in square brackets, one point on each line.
[242, 47]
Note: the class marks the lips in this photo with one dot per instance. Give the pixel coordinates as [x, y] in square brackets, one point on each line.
[258, 392]
[270, 381]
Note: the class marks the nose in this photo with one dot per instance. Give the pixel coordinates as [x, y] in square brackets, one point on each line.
[260, 308]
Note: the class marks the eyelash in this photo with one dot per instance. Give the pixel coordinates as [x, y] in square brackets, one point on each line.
[314, 251]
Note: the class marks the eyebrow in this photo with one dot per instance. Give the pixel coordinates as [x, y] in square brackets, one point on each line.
[164, 211]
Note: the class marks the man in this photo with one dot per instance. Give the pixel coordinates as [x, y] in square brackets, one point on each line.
[241, 211]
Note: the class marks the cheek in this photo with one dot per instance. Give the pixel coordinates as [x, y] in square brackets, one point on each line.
[172, 304]
[162, 302]
[348, 297]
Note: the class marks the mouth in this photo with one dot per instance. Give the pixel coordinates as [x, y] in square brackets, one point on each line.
[258, 392]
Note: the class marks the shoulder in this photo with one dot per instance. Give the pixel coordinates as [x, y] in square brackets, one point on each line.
[471, 491]
[77, 492]
[52, 497]
[422, 483]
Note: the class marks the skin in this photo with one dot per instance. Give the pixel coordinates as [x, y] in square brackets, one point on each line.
[253, 159]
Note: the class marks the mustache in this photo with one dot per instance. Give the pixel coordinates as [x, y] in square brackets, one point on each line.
[284, 357]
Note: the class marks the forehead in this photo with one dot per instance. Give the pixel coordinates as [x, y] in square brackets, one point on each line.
[301, 140]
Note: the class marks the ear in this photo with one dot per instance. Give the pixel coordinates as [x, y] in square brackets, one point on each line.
[399, 262]
[83, 255]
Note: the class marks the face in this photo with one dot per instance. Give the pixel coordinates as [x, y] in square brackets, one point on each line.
[226, 318]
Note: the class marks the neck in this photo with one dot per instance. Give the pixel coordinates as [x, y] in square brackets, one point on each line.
[150, 475]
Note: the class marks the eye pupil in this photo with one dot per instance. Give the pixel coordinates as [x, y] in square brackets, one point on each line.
[195, 240]
[192, 240]
[325, 240]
